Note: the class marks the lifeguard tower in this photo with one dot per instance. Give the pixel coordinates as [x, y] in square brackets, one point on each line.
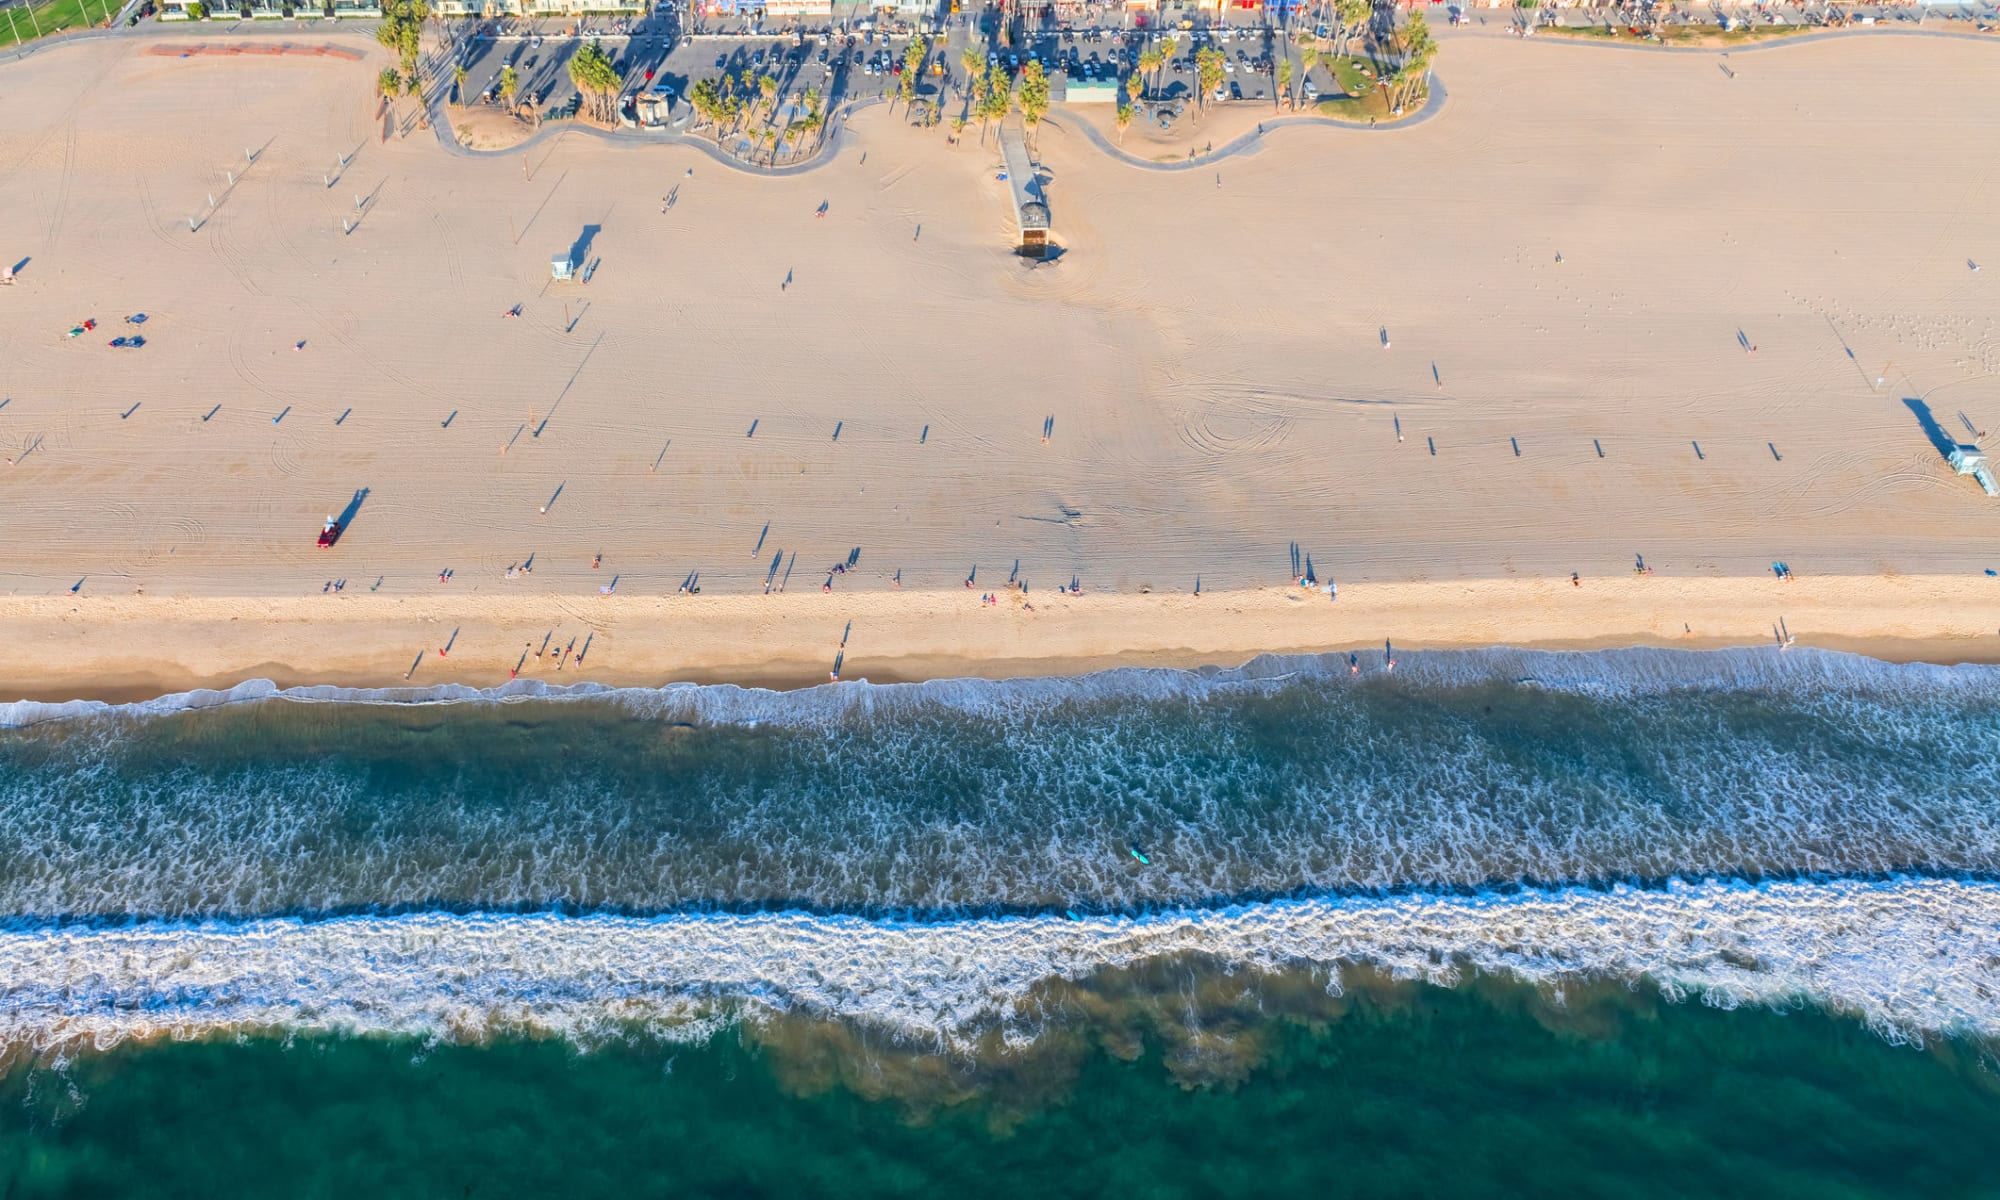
[1971, 460]
[562, 267]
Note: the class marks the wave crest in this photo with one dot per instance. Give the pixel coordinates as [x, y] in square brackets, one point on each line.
[1911, 957]
[1623, 672]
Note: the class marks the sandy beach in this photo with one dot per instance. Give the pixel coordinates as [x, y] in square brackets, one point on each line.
[1605, 306]
[129, 648]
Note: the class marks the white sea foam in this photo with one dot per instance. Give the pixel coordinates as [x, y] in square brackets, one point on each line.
[1911, 957]
[1626, 672]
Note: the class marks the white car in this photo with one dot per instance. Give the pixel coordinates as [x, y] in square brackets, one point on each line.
[1312, 90]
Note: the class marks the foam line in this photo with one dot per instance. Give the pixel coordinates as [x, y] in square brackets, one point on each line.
[1627, 672]
[1912, 957]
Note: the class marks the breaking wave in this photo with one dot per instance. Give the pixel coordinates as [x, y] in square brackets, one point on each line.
[1911, 957]
[1626, 672]
[942, 860]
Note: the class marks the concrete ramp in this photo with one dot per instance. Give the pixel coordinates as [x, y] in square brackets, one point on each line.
[1031, 204]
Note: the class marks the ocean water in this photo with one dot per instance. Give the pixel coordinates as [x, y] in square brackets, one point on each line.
[1701, 906]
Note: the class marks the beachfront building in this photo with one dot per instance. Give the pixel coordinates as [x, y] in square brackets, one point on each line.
[490, 9]
[1091, 91]
[177, 10]
[561, 8]
[798, 8]
[230, 10]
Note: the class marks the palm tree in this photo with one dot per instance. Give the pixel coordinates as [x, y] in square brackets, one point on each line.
[1169, 46]
[1124, 121]
[1150, 60]
[1352, 14]
[1419, 49]
[1034, 98]
[1284, 82]
[1208, 73]
[994, 101]
[458, 74]
[707, 100]
[510, 84]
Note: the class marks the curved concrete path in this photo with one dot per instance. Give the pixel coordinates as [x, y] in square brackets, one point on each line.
[1246, 143]
[838, 136]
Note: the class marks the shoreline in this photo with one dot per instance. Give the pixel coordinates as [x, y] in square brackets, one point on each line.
[132, 648]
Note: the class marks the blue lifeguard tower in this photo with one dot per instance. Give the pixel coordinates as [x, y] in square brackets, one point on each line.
[1971, 460]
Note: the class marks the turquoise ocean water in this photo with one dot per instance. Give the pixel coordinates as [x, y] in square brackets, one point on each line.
[1497, 923]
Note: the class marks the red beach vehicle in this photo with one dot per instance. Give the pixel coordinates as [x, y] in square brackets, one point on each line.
[329, 534]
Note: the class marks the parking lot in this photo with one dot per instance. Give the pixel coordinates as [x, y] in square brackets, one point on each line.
[858, 57]
[846, 61]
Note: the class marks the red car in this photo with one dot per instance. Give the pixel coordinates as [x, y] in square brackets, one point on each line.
[330, 534]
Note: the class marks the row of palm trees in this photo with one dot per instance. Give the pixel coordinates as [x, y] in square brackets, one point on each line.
[730, 104]
[1410, 44]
